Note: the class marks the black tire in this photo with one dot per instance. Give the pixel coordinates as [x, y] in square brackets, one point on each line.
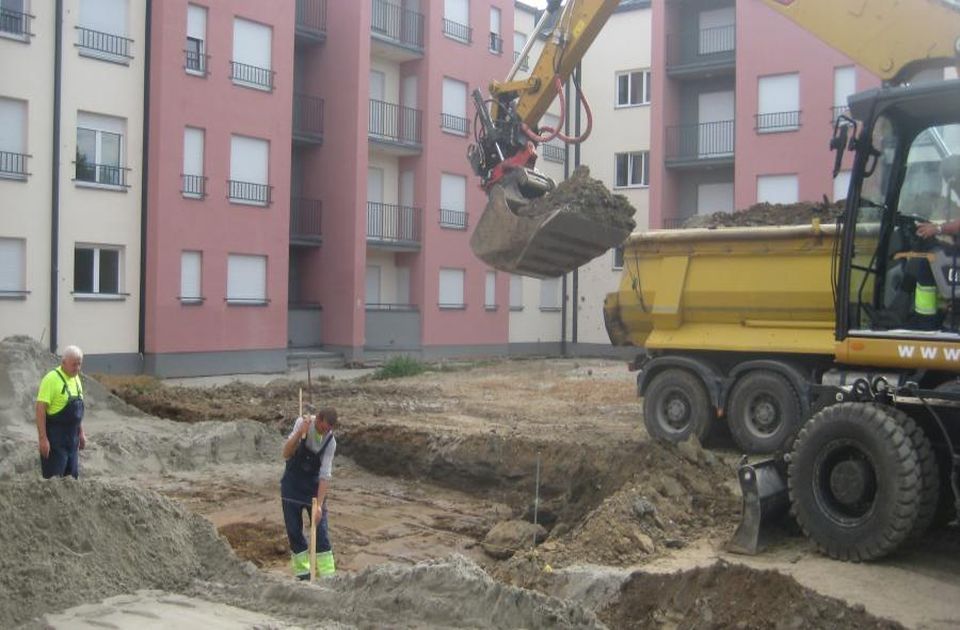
[854, 481]
[676, 406]
[764, 412]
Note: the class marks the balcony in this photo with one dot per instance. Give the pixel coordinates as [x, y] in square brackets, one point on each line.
[196, 63]
[106, 175]
[305, 215]
[193, 186]
[702, 52]
[397, 32]
[496, 44]
[455, 124]
[251, 76]
[395, 128]
[453, 219]
[393, 227]
[311, 22]
[704, 144]
[15, 24]
[249, 193]
[13, 165]
[307, 119]
[777, 122]
[553, 151]
[457, 32]
[524, 65]
[105, 46]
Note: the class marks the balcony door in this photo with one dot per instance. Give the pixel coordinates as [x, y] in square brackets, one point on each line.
[715, 116]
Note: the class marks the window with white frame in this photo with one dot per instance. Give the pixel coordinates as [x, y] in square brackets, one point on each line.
[453, 116]
[778, 106]
[195, 61]
[632, 169]
[100, 150]
[554, 150]
[102, 30]
[490, 291]
[453, 201]
[618, 257]
[372, 286]
[519, 40]
[496, 41]
[633, 88]
[15, 19]
[13, 139]
[456, 20]
[844, 84]
[841, 185]
[516, 292]
[97, 270]
[246, 279]
[451, 288]
[550, 294]
[194, 183]
[249, 171]
[13, 264]
[778, 189]
[191, 265]
[251, 65]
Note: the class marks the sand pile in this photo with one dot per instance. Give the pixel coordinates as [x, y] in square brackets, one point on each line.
[802, 213]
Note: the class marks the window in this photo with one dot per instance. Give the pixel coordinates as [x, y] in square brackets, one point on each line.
[194, 183]
[251, 65]
[490, 291]
[618, 257]
[96, 269]
[249, 171]
[633, 88]
[453, 115]
[14, 20]
[633, 169]
[841, 184]
[13, 139]
[555, 150]
[453, 201]
[196, 58]
[246, 279]
[102, 30]
[844, 84]
[13, 257]
[496, 41]
[456, 20]
[777, 189]
[190, 276]
[451, 288]
[516, 292]
[550, 294]
[99, 158]
[778, 108]
[519, 40]
[372, 287]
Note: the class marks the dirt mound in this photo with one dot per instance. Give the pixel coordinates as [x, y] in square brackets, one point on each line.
[729, 596]
[802, 213]
[588, 196]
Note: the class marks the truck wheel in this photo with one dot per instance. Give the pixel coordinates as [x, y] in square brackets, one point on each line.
[854, 481]
[676, 406]
[764, 412]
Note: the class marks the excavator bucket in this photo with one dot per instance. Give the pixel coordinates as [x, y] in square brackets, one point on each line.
[545, 245]
[765, 502]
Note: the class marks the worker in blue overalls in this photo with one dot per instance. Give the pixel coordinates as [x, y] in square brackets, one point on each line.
[309, 451]
[59, 412]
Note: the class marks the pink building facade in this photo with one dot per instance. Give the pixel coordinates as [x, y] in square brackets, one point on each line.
[744, 109]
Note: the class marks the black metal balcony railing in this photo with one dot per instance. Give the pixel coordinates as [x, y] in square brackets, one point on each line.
[553, 151]
[701, 45]
[838, 110]
[15, 22]
[396, 23]
[249, 192]
[777, 121]
[391, 306]
[496, 43]
[305, 216]
[390, 222]
[195, 62]
[394, 122]
[457, 124]
[194, 186]
[307, 116]
[251, 75]
[106, 44]
[524, 65]
[312, 15]
[456, 219]
[457, 31]
[106, 174]
[701, 141]
[13, 165]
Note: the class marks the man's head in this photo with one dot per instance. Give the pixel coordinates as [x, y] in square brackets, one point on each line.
[326, 419]
[72, 360]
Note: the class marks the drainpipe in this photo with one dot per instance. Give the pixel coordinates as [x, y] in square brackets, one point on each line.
[144, 182]
[566, 174]
[55, 188]
[576, 162]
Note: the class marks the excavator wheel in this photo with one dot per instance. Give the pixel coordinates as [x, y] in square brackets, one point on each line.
[676, 406]
[764, 412]
[855, 481]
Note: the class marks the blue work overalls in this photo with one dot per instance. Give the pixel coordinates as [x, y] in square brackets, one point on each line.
[298, 487]
[63, 432]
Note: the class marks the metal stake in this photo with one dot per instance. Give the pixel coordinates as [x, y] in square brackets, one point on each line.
[536, 500]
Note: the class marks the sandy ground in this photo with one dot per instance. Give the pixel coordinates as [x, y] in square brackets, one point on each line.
[426, 467]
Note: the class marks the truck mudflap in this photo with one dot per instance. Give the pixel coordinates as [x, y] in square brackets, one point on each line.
[766, 500]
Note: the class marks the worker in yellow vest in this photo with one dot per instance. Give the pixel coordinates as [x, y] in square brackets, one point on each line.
[59, 411]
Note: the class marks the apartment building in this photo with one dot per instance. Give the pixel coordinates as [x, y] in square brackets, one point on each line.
[744, 101]
[71, 173]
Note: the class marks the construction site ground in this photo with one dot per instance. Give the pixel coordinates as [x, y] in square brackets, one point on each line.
[633, 530]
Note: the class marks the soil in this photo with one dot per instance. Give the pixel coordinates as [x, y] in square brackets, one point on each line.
[588, 196]
[178, 508]
[802, 213]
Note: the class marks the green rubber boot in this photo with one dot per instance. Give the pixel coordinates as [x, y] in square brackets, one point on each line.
[325, 564]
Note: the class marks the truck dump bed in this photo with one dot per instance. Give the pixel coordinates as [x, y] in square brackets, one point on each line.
[757, 289]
